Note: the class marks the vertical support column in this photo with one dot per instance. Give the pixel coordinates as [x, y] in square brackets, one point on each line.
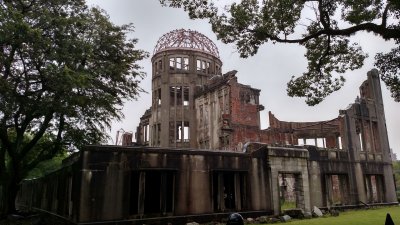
[275, 192]
[343, 182]
[238, 197]
[163, 194]
[142, 185]
[369, 188]
[329, 191]
[221, 200]
[299, 188]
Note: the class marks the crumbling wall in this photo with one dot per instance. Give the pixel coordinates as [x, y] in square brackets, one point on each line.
[323, 134]
[227, 114]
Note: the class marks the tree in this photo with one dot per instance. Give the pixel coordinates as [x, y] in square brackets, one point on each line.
[65, 71]
[396, 170]
[323, 27]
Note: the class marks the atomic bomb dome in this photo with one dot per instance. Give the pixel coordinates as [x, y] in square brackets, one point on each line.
[186, 39]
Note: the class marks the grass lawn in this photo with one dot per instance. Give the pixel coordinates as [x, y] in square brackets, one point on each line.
[374, 216]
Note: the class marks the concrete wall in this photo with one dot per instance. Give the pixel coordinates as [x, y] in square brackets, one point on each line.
[106, 174]
[109, 183]
[289, 161]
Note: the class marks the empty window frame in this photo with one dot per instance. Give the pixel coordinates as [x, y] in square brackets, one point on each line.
[172, 63]
[337, 189]
[157, 97]
[160, 65]
[146, 133]
[291, 192]
[179, 63]
[310, 141]
[198, 65]
[185, 95]
[360, 137]
[182, 131]
[203, 66]
[321, 142]
[339, 141]
[287, 190]
[375, 188]
[179, 95]
[185, 63]
[229, 190]
[151, 192]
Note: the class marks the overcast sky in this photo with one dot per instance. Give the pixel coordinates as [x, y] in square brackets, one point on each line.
[269, 70]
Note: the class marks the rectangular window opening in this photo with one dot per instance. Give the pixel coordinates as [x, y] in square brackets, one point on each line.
[186, 96]
[172, 95]
[159, 97]
[337, 189]
[186, 131]
[160, 65]
[179, 98]
[179, 130]
[198, 65]
[228, 191]
[171, 63]
[310, 141]
[186, 63]
[203, 66]
[178, 63]
[340, 143]
[158, 192]
[375, 188]
[321, 142]
[361, 141]
[146, 133]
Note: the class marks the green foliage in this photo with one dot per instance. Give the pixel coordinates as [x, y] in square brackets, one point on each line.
[47, 166]
[65, 71]
[396, 170]
[328, 25]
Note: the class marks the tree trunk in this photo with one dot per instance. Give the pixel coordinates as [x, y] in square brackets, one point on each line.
[8, 194]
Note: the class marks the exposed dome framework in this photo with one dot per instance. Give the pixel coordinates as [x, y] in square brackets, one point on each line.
[186, 39]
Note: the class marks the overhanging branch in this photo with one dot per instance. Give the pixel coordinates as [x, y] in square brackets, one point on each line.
[386, 33]
[38, 135]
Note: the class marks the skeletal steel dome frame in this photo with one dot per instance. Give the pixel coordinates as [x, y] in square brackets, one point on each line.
[186, 39]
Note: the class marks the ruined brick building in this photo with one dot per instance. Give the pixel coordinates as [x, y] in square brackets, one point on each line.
[201, 153]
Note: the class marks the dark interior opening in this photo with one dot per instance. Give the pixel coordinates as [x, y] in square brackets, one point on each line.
[134, 192]
[229, 191]
[152, 192]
